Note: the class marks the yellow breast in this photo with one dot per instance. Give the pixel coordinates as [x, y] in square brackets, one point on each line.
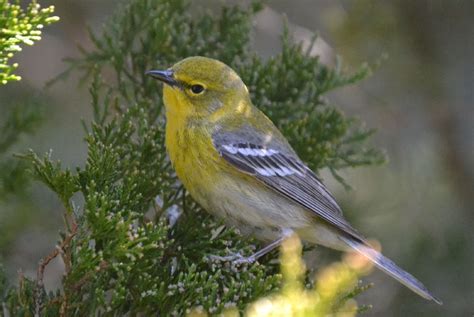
[192, 156]
[190, 149]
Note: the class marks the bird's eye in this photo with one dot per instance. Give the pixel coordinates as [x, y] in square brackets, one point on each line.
[197, 89]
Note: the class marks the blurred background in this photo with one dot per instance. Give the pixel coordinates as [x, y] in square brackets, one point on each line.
[420, 205]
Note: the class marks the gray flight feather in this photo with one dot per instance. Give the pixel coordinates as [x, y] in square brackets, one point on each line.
[274, 163]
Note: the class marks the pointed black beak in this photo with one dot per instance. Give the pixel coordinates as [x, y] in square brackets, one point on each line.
[166, 76]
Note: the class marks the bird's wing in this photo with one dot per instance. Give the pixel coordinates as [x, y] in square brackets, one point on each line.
[274, 163]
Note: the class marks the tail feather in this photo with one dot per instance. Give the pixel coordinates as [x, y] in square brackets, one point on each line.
[392, 269]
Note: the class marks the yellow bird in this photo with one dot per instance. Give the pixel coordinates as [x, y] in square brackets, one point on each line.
[237, 165]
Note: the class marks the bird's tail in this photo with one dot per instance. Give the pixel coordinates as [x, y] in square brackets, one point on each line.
[391, 269]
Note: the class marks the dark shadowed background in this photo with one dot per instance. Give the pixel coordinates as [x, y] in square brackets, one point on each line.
[420, 205]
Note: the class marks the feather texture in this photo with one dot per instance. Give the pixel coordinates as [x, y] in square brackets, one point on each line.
[389, 267]
[285, 173]
[290, 177]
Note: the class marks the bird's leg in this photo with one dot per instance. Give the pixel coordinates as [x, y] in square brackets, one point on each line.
[238, 258]
[254, 257]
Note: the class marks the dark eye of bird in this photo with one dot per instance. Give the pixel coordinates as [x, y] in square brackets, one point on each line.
[197, 89]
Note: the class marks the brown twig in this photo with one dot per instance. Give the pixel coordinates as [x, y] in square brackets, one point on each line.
[62, 248]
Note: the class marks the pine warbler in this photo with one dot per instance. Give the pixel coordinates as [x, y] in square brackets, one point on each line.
[237, 165]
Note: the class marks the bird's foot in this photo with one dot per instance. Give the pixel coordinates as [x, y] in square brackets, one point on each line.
[235, 258]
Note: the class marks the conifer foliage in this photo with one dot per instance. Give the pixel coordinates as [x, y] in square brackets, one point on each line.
[134, 243]
[19, 27]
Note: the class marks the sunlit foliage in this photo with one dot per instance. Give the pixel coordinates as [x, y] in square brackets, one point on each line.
[19, 27]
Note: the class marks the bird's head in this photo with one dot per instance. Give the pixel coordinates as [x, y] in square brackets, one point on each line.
[199, 86]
